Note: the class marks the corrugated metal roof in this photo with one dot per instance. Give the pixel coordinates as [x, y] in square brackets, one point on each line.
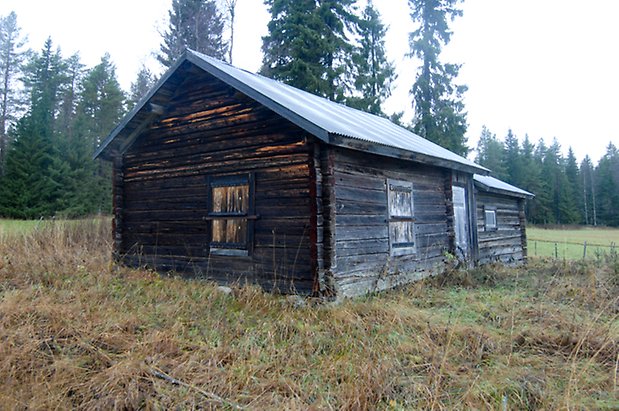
[491, 183]
[329, 121]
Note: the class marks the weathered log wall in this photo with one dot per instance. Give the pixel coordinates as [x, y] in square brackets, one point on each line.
[209, 129]
[506, 244]
[362, 261]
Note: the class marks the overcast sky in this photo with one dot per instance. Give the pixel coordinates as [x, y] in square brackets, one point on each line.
[543, 67]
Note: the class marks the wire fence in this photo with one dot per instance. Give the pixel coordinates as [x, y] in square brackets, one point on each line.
[570, 250]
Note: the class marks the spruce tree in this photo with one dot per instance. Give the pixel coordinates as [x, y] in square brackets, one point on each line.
[27, 189]
[588, 202]
[491, 153]
[542, 205]
[531, 177]
[194, 24]
[375, 74]
[513, 166]
[563, 208]
[308, 45]
[607, 187]
[45, 76]
[12, 54]
[31, 185]
[439, 109]
[574, 187]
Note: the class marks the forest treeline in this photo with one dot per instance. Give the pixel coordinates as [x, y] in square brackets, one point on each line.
[566, 191]
[54, 111]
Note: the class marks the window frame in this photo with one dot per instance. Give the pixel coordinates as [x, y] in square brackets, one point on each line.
[492, 211]
[401, 248]
[230, 180]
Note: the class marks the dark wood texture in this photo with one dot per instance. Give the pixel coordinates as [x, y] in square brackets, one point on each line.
[117, 208]
[506, 244]
[324, 163]
[361, 259]
[161, 192]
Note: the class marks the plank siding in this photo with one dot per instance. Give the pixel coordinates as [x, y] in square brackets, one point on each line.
[209, 129]
[361, 256]
[328, 202]
[118, 196]
[305, 210]
[505, 244]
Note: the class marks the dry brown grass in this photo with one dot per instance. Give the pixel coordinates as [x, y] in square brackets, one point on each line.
[77, 333]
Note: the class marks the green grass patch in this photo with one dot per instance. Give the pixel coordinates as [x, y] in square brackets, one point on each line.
[30, 227]
[568, 244]
[12, 227]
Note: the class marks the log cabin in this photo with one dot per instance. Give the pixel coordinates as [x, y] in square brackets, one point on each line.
[501, 222]
[224, 174]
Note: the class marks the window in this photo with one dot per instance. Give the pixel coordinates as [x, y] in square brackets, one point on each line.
[490, 218]
[230, 212]
[401, 220]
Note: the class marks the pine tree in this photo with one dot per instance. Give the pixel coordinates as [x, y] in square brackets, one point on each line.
[308, 46]
[230, 10]
[69, 95]
[375, 74]
[12, 54]
[142, 84]
[63, 166]
[491, 153]
[101, 107]
[101, 102]
[439, 109]
[194, 24]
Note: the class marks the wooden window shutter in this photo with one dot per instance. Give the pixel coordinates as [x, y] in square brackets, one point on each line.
[401, 217]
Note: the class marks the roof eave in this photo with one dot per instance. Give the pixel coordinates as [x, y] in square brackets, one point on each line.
[394, 152]
[102, 151]
[488, 189]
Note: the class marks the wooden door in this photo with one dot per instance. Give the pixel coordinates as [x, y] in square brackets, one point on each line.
[461, 223]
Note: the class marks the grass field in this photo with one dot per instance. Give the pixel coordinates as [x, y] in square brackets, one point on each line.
[78, 333]
[12, 227]
[27, 227]
[570, 242]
